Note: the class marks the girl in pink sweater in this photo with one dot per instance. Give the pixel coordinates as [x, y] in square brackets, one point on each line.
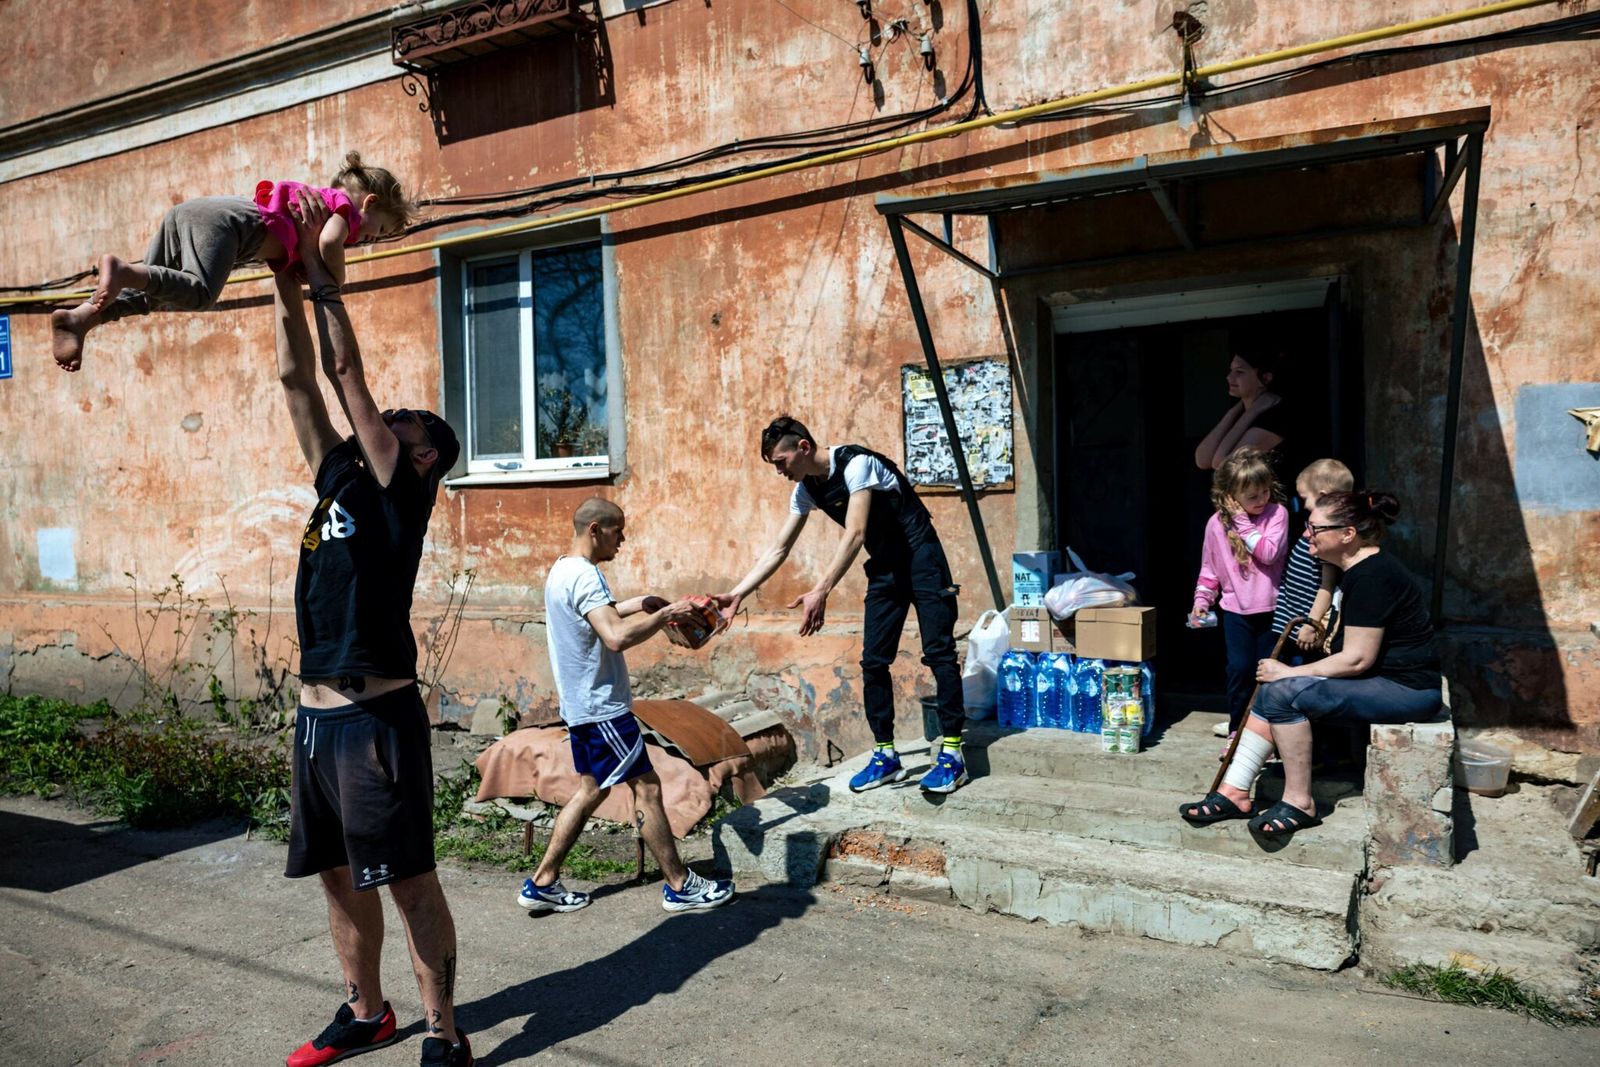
[1241, 562]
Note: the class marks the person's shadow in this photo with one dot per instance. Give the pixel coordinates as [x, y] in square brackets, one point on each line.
[581, 999]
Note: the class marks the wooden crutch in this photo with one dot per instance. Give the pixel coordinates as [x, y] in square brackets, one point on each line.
[1233, 744]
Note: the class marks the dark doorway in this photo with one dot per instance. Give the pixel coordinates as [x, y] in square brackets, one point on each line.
[1132, 404]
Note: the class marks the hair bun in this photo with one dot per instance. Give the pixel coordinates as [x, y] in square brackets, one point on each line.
[352, 160]
[1384, 505]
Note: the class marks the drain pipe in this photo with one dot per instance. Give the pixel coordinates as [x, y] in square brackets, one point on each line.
[905, 140]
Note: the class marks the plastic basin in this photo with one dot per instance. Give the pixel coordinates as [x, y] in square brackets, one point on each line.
[1483, 768]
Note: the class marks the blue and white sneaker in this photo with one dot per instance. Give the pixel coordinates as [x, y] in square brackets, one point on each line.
[949, 773]
[697, 894]
[881, 769]
[552, 897]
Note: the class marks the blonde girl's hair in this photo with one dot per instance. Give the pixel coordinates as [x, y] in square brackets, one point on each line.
[356, 176]
[1241, 472]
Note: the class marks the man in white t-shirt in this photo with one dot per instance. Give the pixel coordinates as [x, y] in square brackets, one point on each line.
[587, 631]
[864, 492]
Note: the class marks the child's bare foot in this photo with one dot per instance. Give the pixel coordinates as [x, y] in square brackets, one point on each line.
[67, 329]
[115, 276]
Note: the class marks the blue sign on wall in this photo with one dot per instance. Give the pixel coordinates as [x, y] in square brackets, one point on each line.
[5, 346]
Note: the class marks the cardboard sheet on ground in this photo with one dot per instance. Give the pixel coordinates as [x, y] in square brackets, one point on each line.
[537, 761]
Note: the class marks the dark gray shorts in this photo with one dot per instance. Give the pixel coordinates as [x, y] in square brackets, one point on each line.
[362, 790]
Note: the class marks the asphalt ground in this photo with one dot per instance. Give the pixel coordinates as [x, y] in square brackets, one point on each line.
[190, 948]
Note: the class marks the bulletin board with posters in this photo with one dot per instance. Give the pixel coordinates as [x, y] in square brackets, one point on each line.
[980, 397]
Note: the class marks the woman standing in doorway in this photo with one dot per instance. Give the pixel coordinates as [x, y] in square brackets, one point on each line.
[1256, 419]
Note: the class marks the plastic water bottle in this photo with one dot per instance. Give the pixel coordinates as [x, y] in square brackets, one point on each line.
[1089, 675]
[1069, 692]
[1147, 694]
[1050, 685]
[1015, 690]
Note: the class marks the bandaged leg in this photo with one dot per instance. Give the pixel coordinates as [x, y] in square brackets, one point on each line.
[1248, 759]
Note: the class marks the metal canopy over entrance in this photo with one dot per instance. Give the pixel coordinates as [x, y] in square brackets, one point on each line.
[1176, 183]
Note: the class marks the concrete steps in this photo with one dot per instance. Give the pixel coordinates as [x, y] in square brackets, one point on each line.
[1491, 901]
[1181, 758]
[1119, 814]
[1059, 831]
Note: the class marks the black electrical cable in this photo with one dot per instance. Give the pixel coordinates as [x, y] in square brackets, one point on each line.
[584, 188]
[1556, 28]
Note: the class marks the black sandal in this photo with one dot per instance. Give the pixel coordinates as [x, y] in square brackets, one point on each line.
[1290, 816]
[1226, 809]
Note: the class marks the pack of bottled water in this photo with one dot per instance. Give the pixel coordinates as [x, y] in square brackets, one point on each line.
[1058, 691]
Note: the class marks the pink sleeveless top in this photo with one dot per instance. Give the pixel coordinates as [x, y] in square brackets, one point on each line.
[273, 200]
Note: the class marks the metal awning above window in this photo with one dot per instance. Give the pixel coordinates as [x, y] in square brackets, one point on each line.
[1301, 186]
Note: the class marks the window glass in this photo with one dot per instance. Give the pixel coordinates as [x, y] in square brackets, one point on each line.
[569, 352]
[494, 353]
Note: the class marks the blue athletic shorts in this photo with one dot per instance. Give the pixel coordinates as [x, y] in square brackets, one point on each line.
[609, 752]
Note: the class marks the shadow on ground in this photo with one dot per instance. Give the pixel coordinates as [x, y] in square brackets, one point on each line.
[47, 855]
[578, 1000]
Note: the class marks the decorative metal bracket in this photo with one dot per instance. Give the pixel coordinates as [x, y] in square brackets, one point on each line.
[482, 27]
[416, 84]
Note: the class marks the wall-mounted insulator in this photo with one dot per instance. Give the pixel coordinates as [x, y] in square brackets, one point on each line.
[866, 8]
[867, 73]
[926, 48]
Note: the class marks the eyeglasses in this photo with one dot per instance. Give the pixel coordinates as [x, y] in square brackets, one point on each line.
[416, 419]
[1312, 529]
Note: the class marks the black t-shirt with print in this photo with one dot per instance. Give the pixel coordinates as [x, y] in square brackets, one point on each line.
[1379, 592]
[358, 564]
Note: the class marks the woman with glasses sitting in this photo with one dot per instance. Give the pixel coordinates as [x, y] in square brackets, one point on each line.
[1383, 667]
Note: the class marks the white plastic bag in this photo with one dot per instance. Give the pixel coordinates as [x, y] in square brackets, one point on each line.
[979, 687]
[1084, 588]
[986, 643]
[989, 640]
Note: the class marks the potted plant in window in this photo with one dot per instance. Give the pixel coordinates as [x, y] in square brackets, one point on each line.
[565, 417]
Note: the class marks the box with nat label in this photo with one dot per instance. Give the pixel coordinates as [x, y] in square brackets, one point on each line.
[1030, 576]
[1126, 635]
[1032, 629]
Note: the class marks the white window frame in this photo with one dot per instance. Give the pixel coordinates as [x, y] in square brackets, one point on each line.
[530, 468]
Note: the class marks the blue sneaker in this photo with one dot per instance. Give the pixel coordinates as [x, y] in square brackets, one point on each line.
[552, 897]
[697, 893]
[949, 773]
[880, 769]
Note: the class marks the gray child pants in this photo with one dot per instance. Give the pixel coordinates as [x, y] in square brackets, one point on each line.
[190, 257]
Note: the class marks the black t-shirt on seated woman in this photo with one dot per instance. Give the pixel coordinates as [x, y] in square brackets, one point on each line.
[1379, 592]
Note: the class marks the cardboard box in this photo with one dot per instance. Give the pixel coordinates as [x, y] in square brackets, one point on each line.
[1031, 573]
[1125, 635]
[1031, 629]
[1063, 637]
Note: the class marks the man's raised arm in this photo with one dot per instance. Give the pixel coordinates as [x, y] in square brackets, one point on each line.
[341, 355]
[297, 370]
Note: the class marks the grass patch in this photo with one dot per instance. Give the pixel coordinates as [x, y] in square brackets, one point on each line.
[494, 839]
[1458, 985]
[145, 771]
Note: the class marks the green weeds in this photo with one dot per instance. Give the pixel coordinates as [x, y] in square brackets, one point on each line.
[495, 838]
[145, 771]
[1497, 989]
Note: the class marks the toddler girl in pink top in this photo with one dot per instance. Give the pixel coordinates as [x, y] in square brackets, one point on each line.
[1241, 562]
[202, 240]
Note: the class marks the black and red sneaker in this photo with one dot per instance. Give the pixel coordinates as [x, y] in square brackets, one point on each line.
[346, 1036]
[437, 1052]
